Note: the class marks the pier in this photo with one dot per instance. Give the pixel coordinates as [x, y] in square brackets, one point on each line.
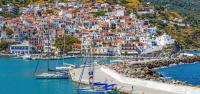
[146, 69]
[140, 77]
[102, 75]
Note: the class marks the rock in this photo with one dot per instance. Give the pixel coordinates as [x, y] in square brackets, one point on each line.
[146, 70]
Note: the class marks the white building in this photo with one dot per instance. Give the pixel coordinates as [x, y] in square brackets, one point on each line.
[164, 40]
[21, 49]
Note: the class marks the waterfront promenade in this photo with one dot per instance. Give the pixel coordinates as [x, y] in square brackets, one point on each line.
[139, 77]
[102, 75]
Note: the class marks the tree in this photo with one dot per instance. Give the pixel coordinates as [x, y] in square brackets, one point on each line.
[160, 24]
[50, 11]
[134, 4]
[64, 1]
[3, 45]
[66, 43]
[8, 31]
[26, 37]
[99, 13]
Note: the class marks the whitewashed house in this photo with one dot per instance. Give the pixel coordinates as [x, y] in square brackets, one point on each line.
[21, 49]
[164, 40]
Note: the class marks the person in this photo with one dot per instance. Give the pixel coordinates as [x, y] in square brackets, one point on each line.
[106, 80]
[132, 88]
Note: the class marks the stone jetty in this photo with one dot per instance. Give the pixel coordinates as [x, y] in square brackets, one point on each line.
[146, 70]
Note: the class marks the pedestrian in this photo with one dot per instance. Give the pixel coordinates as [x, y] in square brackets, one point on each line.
[132, 88]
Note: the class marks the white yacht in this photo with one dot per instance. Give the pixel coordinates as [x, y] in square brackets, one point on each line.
[65, 67]
[53, 75]
[26, 56]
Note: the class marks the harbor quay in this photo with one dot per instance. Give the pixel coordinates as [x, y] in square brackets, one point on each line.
[146, 69]
[138, 85]
[102, 75]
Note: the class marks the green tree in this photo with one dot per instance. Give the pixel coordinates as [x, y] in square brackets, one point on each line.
[3, 45]
[26, 37]
[50, 11]
[8, 31]
[99, 13]
[160, 24]
[64, 1]
[66, 43]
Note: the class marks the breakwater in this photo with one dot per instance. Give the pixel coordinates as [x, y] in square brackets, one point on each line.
[146, 70]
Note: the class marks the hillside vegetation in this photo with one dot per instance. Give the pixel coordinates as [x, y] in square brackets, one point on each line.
[188, 8]
[189, 11]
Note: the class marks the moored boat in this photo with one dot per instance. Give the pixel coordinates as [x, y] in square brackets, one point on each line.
[99, 88]
[94, 87]
[52, 73]
[55, 75]
[26, 56]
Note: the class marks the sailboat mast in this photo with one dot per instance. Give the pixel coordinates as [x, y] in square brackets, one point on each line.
[91, 69]
[63, 48]
[48, 50]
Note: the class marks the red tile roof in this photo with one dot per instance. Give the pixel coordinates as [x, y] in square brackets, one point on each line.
[77, 44]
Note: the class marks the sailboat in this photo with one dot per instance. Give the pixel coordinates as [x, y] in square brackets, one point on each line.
[65, 66]
[94, 87]
[51, 74]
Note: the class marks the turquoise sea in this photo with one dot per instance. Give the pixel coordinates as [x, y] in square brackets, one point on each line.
[189, 73]
[17, 77]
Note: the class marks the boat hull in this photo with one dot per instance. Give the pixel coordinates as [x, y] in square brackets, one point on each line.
[52, 76]
[98, 92]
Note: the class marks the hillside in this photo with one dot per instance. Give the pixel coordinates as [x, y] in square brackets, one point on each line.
[188, 8]
[188, 37]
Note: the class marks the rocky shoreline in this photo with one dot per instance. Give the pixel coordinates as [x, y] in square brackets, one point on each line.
[146, 70]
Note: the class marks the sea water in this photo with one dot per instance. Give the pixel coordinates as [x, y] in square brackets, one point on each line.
[189, 73]
[17, 77]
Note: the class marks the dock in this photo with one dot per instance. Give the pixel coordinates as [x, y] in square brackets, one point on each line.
[101, 75]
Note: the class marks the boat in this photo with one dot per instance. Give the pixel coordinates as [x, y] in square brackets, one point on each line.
[101, 88]
[65, 67]
[51, 73]
[94, 87]
[26, 56]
